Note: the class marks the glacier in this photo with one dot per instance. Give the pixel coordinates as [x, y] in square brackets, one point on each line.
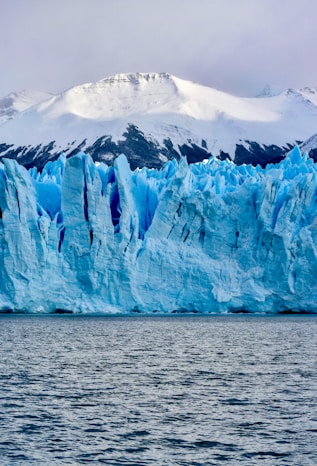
[210, 237]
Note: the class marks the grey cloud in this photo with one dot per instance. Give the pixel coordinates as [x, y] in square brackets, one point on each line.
[237, 46]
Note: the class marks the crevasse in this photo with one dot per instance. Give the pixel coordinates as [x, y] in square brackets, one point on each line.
[209, 237]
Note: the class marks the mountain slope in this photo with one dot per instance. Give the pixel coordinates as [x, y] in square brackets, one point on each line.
[155, 117]
[17, 102]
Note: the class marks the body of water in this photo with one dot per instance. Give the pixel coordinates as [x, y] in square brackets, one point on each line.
[216, 390]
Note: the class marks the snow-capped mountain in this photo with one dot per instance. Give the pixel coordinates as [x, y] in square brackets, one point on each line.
[154, 117]
[310, 146]
[17, 102]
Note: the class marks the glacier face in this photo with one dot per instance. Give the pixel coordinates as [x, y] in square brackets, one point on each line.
[209, 237]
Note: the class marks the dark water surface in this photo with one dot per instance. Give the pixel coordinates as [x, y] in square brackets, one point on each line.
[238, 390]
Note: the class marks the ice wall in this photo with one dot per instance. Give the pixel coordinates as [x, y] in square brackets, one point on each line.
[210, 237]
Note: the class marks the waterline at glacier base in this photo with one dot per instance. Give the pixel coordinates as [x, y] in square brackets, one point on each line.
[208, 237]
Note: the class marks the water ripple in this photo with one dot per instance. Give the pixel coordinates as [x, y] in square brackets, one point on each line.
[158, 391]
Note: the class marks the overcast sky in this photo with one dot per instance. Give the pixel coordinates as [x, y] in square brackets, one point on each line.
[234, 45]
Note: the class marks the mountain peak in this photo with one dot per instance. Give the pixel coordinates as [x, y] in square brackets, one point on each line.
[136, 78]
[127, 83]
[270, 91]
[17, 102]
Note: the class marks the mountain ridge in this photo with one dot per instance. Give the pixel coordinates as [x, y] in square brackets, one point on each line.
[160, 114]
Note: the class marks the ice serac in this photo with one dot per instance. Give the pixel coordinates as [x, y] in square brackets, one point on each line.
[208, 237]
